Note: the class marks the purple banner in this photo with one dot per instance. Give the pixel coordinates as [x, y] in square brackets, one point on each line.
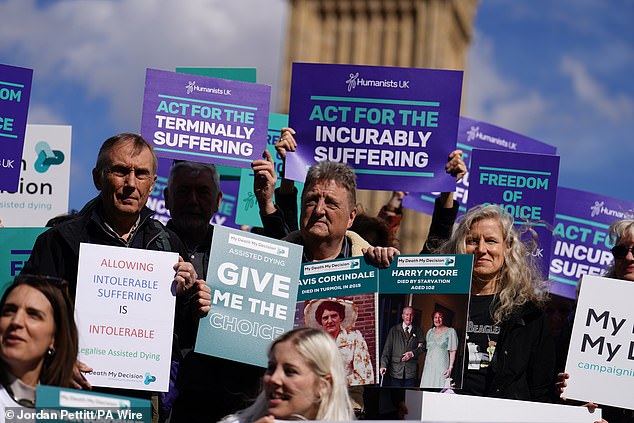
[396, 123]
[475, 134]
[204, 119]
[15, 92]
[523, 184]
[581, 245]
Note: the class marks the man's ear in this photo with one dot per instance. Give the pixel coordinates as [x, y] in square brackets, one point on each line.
[96, 179]
[353, 214]
[218, 201]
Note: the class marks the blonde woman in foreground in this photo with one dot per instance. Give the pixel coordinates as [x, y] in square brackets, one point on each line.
[305, 380]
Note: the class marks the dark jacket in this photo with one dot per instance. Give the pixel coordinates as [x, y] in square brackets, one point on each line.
[441, 226]
[396, 345]
[524, 359]
[56, 251]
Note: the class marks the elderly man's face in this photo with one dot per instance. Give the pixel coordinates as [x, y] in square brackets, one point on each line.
[193, 198]
[326, 212]
[127, 181]
[407, 315]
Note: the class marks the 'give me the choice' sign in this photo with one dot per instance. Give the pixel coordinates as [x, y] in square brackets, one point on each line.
[253, 281]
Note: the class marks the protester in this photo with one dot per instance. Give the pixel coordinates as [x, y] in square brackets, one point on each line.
[124, 175]
[209, 388]
[38, 339]
[337, 318]
[442, 343]
[511, 350]
[621, 234]
[280, 217]
[328, 210]
[305, 380]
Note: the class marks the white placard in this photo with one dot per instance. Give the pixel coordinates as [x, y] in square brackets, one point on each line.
[601, 352]
[124, 309]
[44, 178]
[434, 407]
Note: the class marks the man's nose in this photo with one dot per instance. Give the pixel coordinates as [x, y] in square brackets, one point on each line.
[130, 178]
[320, 207]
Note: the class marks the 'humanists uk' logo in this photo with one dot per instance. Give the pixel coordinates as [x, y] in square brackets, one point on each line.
[474, 133]
[353, 81]
[192, 86]
[600, 208]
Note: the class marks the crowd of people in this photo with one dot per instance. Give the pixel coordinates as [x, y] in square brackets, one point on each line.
[314, 373]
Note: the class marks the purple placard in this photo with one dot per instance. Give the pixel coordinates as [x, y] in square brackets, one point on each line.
[581, 245]
[15, 92]
[525, 185]
[396, 123]
[475, 134]
[205, 119]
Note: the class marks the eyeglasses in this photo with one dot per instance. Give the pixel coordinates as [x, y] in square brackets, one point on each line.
[123, 171]
[620, 251]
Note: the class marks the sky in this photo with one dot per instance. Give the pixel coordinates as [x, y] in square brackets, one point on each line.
[559, 71]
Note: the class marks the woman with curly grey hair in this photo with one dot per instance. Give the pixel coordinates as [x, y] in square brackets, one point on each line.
[511, 350]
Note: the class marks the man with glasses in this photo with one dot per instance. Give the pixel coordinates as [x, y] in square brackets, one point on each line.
[124, 175]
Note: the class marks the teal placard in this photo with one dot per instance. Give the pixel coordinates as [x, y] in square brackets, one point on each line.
[234, 74]
[248, 212]
[349, 287]
[427, 274]
[333, 278]
[54, 404]
[15, 249]
[253, 281]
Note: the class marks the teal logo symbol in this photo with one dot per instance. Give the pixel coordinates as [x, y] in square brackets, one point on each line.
[355, 264]
[449, 261]
[149, 378]
[46, 157]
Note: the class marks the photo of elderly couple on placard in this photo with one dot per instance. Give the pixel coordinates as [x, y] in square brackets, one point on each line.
[396, 340]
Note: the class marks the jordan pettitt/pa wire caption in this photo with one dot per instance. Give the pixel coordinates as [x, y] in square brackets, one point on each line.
[86, 415]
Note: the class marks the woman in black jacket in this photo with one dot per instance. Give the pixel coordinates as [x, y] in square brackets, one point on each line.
[511, 350]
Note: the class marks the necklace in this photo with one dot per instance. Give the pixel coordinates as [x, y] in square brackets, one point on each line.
[24, 402]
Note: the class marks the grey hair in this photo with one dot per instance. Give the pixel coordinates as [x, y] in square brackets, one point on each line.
[619, 229]
[195, 167]
[138, 143]
[520, 279]
[341, 173]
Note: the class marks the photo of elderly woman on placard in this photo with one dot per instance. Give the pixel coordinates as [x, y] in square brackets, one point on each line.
[442, 343]
[338, 317]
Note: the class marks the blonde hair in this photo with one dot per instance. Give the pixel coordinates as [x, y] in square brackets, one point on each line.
[520, 280]
[322, 355]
